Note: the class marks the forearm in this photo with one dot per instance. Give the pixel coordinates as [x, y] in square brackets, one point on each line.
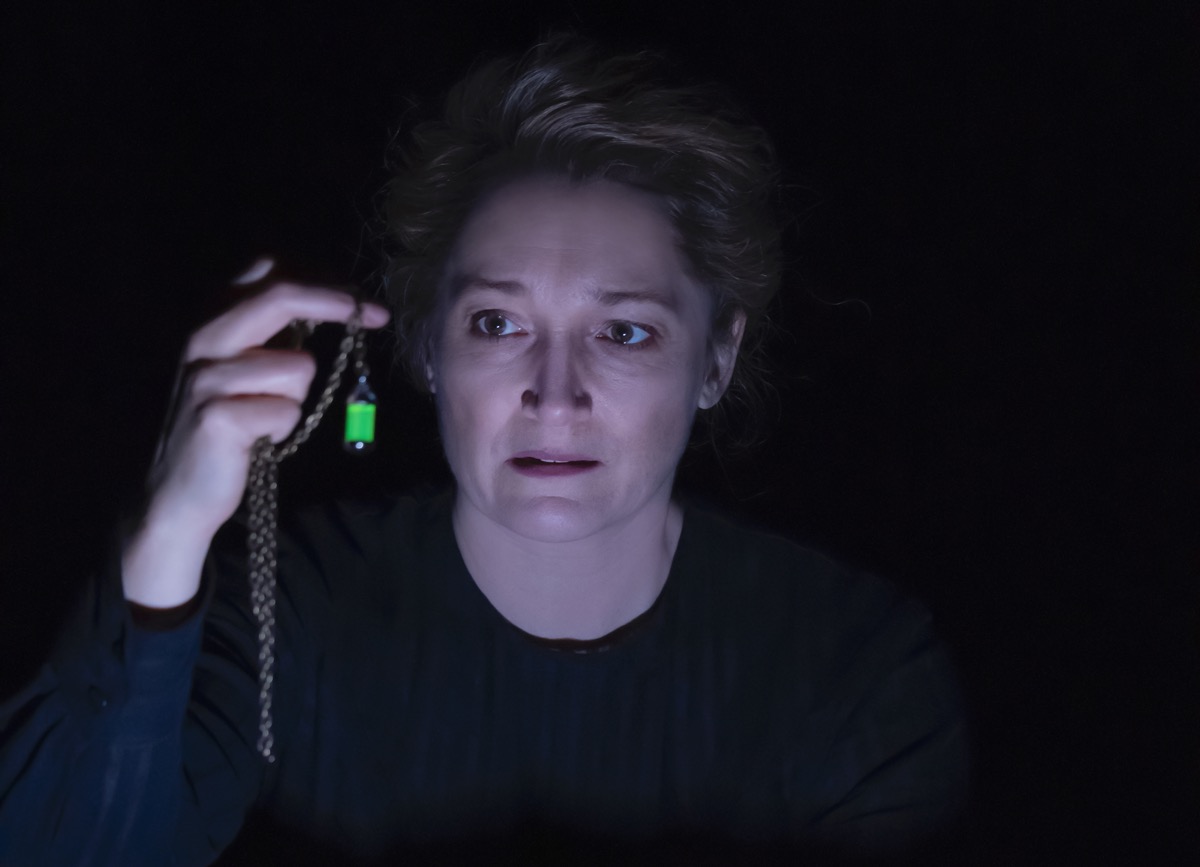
[90, 762]
[125, 749]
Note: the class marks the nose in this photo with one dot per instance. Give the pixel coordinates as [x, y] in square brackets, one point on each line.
[556, 393]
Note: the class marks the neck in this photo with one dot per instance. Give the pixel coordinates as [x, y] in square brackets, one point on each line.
[582, 589]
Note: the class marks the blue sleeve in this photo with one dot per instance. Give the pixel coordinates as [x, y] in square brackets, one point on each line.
[92, 752]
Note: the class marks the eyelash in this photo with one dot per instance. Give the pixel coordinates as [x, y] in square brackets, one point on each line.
[641, 344]
[477, 320]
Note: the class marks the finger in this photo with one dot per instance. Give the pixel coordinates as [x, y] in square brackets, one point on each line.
[286, 373]
[261, 268]
[255, 320]
[239, 421]
[209, 454]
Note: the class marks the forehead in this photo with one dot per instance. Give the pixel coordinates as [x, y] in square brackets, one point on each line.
[572, 239]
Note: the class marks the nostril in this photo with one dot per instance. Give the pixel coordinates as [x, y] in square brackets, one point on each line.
[533, 399]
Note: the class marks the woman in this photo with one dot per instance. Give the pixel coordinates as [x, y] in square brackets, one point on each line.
[557, 643]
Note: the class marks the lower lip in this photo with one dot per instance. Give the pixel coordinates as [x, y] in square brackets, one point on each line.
[542, 471]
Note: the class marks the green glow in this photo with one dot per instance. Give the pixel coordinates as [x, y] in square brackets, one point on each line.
[360, 422]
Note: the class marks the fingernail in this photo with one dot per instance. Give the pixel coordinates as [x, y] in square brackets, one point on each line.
[261, 268]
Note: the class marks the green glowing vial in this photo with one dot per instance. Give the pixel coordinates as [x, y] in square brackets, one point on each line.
[360, 418]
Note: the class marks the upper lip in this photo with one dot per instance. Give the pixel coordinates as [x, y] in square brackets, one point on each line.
[553, 457]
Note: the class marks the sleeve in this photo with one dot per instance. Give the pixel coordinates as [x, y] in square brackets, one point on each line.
[896, 766]
[131, 746]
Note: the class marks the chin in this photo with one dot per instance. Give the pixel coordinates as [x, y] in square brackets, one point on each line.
[550, 519]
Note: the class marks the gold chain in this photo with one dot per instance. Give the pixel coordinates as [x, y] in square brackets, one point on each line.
[262, 499]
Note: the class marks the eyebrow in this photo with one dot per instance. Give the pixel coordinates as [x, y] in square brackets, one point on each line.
[608, 297]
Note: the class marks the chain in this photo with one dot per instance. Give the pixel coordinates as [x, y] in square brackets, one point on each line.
[262, 490]
[262, 499]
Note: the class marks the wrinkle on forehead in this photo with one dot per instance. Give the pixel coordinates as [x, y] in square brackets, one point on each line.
[597, 292]
[594, 242]
[559, 229]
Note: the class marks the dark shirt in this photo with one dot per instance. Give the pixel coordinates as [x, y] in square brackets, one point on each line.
[767, 696]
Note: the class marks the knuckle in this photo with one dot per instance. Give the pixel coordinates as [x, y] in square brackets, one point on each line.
[293, 375]
[217, 417]
[278, 293]
[197, 345]
[230, 421]
[285, 417]
[213, 426]
[197, 380]
[291, 412]
[306, 366]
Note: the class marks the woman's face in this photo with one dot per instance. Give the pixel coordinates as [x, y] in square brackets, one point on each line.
[572, 358]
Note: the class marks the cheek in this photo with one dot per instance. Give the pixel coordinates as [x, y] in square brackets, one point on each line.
[653, 414]
[462, 411]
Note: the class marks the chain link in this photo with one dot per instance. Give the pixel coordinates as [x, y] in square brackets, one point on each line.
[262, 500]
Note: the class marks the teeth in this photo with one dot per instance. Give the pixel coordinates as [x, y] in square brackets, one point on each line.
[550, 462]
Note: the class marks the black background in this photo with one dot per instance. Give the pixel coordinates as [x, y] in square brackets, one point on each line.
[986, 347]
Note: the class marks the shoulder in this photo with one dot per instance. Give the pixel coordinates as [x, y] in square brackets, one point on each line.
[874, 710]
[837, 638]
[793, 589]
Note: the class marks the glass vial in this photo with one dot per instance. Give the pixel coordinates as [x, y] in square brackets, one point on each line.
[360, 418]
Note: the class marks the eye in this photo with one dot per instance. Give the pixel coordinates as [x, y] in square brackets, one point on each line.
[494, 324]
[625, 333]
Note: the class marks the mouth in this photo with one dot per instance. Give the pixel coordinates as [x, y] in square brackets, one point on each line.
[551, 465]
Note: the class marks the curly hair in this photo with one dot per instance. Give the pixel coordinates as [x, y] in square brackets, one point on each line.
[566, 108]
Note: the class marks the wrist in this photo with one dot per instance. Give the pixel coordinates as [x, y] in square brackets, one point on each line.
[161, 562]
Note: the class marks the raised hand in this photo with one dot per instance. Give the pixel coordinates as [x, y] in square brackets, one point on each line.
[232, 391]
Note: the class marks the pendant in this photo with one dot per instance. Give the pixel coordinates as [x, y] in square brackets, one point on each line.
[360, 418]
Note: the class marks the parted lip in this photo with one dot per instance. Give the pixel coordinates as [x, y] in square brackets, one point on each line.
[553, 457]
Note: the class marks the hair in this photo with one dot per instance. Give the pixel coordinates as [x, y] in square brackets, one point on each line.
[567, 108]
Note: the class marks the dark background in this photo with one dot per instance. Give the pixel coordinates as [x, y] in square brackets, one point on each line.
[986, 347]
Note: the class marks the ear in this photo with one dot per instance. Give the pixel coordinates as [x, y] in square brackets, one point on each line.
[723, 357]
[429, 357]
